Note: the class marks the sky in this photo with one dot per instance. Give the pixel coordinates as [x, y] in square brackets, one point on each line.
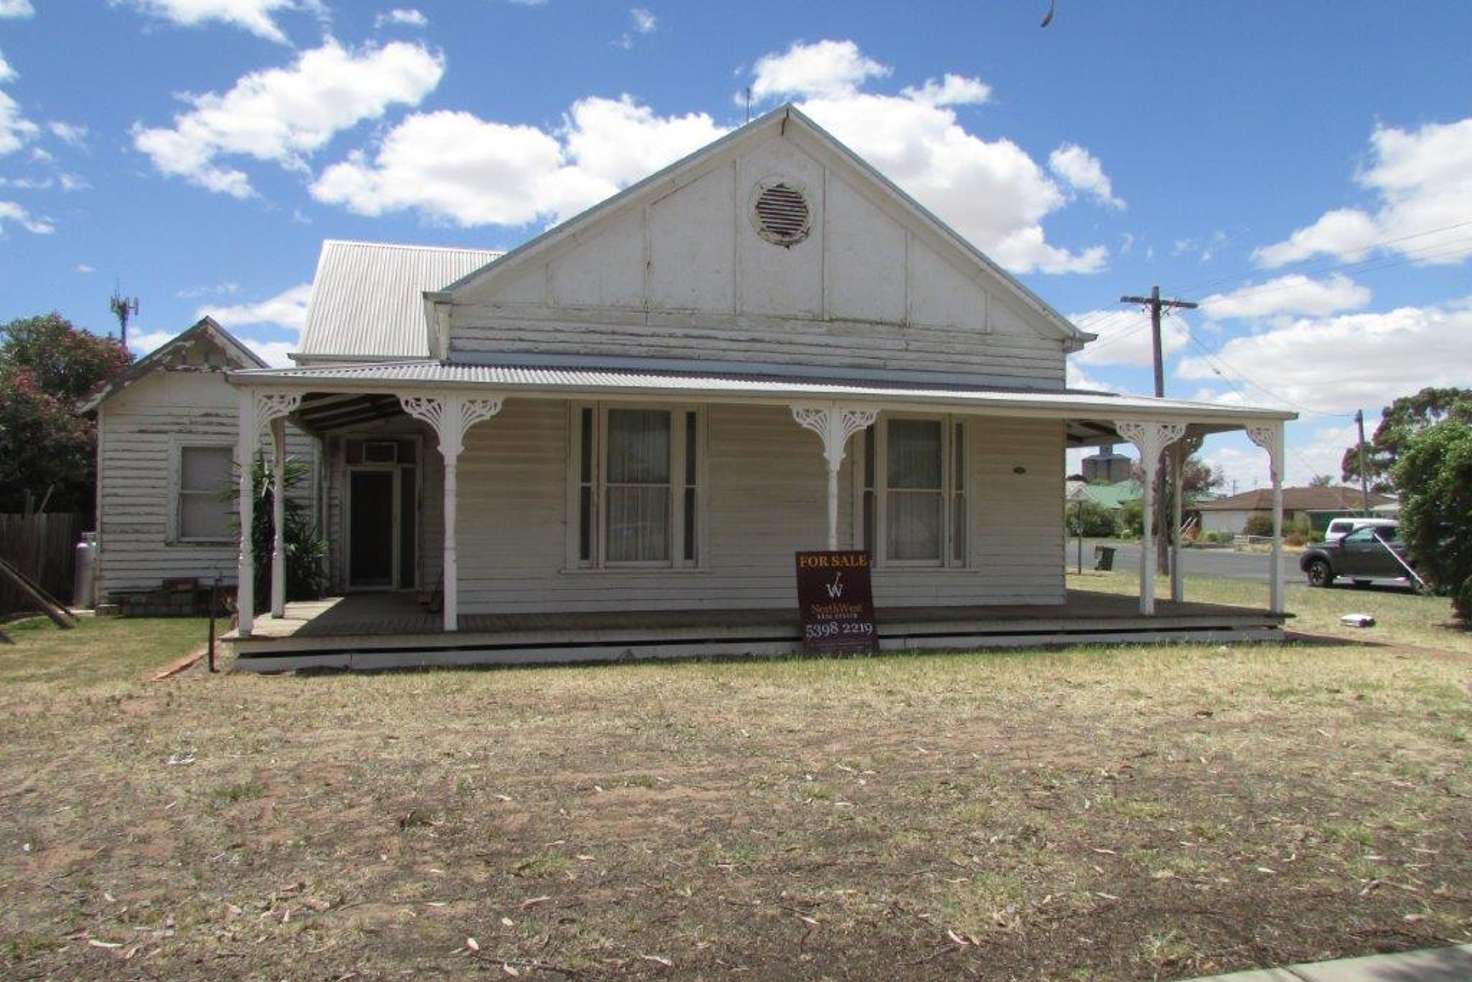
[1303, 171]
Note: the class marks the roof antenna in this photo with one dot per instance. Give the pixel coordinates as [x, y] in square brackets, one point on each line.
[748, 103]
[123, 308]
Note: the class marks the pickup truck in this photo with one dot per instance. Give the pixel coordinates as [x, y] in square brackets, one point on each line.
[1373, 552]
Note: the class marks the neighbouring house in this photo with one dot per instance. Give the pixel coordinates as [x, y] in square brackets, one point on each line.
[1317, 506]
[1112, 497]
[611, 440]
[167, 432]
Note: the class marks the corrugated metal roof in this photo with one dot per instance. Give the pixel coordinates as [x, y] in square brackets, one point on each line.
[507, 378]
[1297, 499]
[367, 297]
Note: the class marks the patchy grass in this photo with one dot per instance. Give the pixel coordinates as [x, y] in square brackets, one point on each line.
[1095, 813]
[1403, 617]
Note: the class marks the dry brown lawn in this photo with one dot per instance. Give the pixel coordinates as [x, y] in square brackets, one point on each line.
[1156, 812]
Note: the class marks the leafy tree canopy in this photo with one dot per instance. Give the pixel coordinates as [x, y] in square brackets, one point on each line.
[46, 449]
[1399, 422]
[1321, 481]
[1434, 473]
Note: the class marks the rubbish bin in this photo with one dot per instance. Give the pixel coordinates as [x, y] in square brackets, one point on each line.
[1104, 557]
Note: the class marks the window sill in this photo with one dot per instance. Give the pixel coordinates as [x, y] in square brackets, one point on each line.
[632, 570]
[204, 543]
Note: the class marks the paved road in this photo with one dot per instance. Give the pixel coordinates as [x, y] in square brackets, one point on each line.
[1197, 562]
[1224, 563]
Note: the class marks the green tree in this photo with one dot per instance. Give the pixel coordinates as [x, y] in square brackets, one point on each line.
[46, 449]
[1091, 519]
[1321, 481]
[1434, 473]
[1399, 422]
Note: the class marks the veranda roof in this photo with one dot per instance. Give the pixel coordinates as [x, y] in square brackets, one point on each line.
[1089, 413]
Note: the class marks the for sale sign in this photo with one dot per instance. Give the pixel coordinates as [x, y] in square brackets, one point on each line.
[836, 602]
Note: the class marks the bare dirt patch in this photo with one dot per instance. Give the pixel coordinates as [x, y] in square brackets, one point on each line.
[1096, 813]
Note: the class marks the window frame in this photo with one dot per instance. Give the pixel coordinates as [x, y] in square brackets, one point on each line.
[952, 426]
[597, 560]
[177, 447]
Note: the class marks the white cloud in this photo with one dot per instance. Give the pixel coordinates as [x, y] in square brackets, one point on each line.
[952, 90]
[73, 182]
[1422, 182]
[456, 166]
[825, 68]
[72, 133]
[274, 353]
[1124, 337]
[84, 268]
[14, 213]
[286, 114]
[991, 192]
[403, 17]
[1293, 294]
[15, 130]
[287, 309]
[217, 290]
[16, 8]
[1347, 362]
[255, 16]
[644, 21]
[1082, 171]
[1077, 379]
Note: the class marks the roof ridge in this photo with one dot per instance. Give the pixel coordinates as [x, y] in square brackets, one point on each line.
[411, 245]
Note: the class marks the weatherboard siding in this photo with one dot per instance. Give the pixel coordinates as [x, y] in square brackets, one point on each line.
[140, 427]
[681, 273]
[767, 498]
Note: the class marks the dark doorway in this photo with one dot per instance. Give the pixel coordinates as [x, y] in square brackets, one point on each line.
[371, 528]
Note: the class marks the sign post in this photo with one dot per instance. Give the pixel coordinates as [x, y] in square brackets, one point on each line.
[836, 601]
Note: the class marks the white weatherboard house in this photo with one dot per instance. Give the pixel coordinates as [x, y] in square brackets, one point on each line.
[612, 439]
[166, 438]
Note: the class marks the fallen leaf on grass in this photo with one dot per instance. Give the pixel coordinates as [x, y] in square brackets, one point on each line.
[507, 922]
[104, 944]
[959, 939]
[472, 944]
[533, 902]
[660, 959]
[509, 970]
[1264, 869]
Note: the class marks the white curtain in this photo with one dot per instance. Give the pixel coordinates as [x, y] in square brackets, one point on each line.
[916, 495]
[638, 485]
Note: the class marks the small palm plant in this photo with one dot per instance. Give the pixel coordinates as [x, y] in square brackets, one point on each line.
[306, 547]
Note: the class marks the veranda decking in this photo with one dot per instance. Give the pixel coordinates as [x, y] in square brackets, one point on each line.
[391, 630]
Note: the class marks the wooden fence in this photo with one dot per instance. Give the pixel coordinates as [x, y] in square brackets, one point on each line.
[43, 547]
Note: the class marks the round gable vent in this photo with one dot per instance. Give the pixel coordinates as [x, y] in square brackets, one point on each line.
[781, 214]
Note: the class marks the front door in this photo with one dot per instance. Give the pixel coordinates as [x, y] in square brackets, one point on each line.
[371, 528]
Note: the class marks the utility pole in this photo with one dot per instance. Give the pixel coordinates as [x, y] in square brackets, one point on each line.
[1359, 419]
[1156, 305]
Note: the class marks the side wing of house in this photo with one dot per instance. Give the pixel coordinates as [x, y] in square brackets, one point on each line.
[165, 464]
[775, 250]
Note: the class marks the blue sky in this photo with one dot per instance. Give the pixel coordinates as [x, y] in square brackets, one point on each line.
[1304, 168]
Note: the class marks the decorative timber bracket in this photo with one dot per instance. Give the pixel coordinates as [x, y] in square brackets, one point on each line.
[834, 424]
